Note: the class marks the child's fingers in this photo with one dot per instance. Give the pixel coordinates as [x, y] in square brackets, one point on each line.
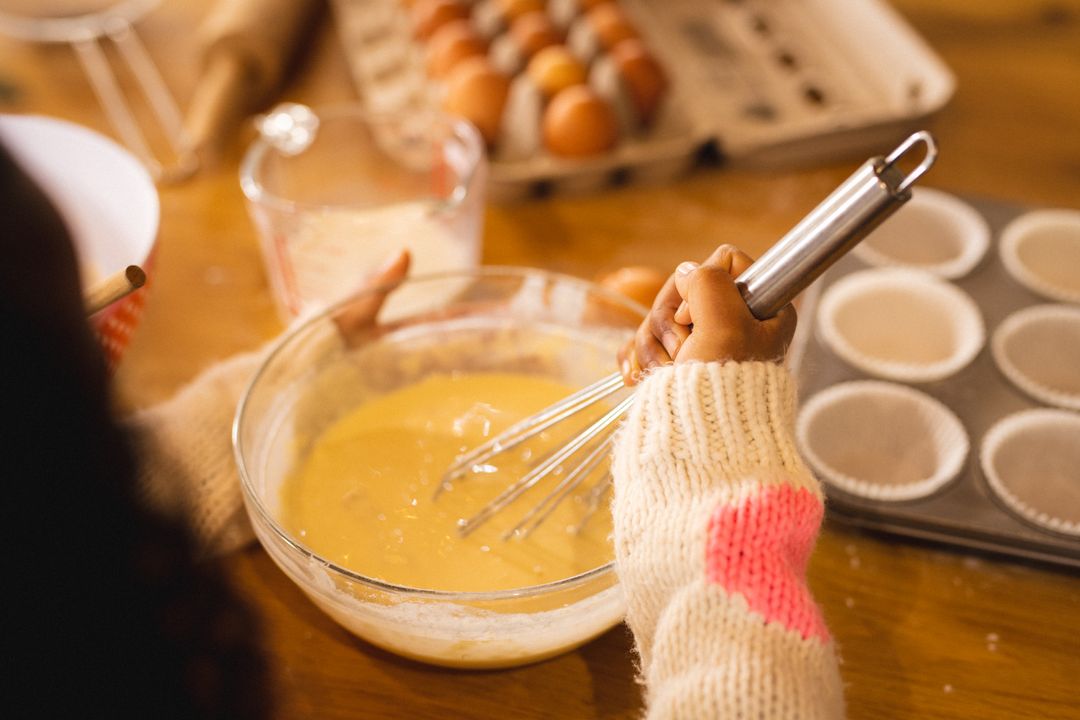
[656, 333]
[649, 349]
[629, 367]
[776, 331]
[662, 325]
[781, 327]
[682, 284]
[623, 357]
[726, 258]
[738, 262]
[729, 258]
[713, 299]
[391, 271]
[359, 314]
[706, 297]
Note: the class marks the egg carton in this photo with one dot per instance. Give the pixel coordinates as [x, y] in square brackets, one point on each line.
[965, 511]
[761, 83]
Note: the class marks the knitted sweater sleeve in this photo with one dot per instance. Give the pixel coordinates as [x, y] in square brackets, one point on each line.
[715, 518]
[186, 465]
[184, 445]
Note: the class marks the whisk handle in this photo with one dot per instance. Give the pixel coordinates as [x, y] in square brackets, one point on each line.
[872, 193]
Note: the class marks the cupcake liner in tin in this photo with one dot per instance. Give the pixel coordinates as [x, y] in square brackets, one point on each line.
[966, 512]
[1038, 349]
[881, 441]
[900, 324]
[1031, 460]
[1041, 251]
[934, 232]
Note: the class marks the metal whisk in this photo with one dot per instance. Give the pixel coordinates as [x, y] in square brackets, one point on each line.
[872, 193]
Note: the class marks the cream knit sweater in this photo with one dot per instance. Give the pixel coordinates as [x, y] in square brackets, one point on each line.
[715, 516]
[186, 459]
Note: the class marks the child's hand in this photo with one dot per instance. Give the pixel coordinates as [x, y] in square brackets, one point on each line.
[723, 328]
[357, 317]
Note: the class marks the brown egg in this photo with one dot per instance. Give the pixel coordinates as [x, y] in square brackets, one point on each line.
[611, 24]
[476, 91]
[637, 282]
[645, 80]
[532, 32]
[429, 15]
[578, 123]
[513, 9]
[555, 68]
[451, 44]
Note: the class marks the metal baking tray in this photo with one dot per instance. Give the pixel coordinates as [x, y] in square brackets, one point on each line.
[965, 513]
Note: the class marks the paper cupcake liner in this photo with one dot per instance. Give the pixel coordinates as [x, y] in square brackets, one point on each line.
[1041, 251]
[934, 232]
[900, 324]
[1038, 349]
[1031, 461]
[881, 441]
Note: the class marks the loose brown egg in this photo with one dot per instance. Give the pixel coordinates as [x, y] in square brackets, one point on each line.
[637, 282]
[451, 44]
[555, 68]
[611, 24]
[645, 79]
[513, 9]
[429, 15]
[578, 123]
[476, 91]
[532, 32]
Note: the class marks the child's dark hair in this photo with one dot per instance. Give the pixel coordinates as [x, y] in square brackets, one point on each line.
[108, 612]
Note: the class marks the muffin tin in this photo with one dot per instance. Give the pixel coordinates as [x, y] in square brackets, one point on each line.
[766, 83]
[973, 458]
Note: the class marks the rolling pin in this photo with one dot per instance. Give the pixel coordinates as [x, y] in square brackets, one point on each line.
[246, 46]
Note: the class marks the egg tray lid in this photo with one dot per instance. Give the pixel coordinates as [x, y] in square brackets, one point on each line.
[765, 84]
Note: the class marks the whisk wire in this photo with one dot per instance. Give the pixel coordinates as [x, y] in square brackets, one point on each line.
[571, 482]
[548, 465]
[592, 501]
[530, 427]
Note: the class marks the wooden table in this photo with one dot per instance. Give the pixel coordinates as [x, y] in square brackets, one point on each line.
[923, 632]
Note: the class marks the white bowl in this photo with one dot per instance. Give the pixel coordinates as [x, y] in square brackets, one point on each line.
[107, 200]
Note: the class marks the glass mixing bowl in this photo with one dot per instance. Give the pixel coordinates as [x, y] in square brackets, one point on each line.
[489, 319]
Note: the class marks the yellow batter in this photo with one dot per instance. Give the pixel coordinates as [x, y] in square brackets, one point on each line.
[363, 498]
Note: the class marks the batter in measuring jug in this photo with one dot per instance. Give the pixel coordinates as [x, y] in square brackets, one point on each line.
[363, 497]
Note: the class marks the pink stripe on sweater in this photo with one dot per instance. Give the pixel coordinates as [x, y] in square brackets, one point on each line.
[759, 548]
